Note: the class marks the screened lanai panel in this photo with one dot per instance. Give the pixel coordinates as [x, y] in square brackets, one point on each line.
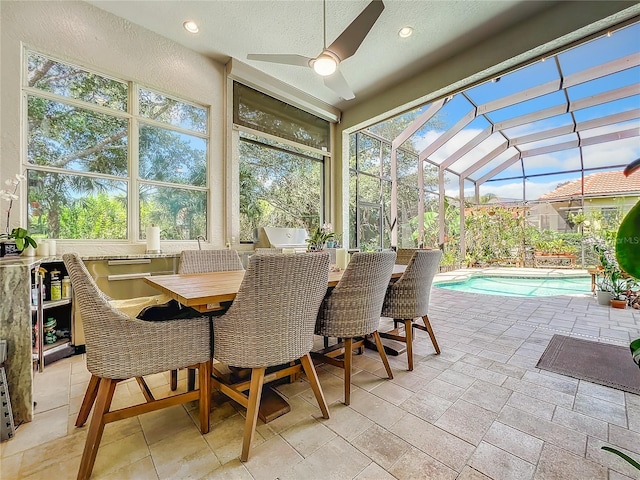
[451, 184]
[621, 43]
[442, 122]
[618, 153]
[487, 147]
[407, 166]
[537, 187]
[430, 175]
[629, 128]
[495, 163]
[502, 190]
[626, 104]
[565, 160]
[527, 107]
[515, 82]
[542, 128]
[460, 143]
[550, 142]
[368, 154]
[613, 81]
[513, 170]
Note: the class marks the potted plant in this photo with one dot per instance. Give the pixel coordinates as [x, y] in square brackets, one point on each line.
[319, 237]
[20, 236]
[619, 288]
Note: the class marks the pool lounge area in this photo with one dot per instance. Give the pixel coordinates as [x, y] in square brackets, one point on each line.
[481, 409]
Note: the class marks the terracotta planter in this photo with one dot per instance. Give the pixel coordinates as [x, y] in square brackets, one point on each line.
[618, 303]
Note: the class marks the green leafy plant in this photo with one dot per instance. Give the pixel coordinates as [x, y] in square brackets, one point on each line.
[319, 236]
[628, 239]
[22, 238]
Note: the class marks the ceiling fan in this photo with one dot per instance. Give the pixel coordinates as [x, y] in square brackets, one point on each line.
[326, 64]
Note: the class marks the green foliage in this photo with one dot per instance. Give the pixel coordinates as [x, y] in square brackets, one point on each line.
[22, 238]
[494, 233]
[97, 217]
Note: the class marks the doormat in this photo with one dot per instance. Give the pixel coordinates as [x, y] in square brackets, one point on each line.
[601, 363]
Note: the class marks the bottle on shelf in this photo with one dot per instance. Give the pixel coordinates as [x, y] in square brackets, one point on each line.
[66, 287]
[55, 285]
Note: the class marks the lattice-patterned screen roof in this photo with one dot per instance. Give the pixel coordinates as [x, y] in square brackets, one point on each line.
[541, 125]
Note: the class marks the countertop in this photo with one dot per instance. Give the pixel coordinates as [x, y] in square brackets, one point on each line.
[22, 261]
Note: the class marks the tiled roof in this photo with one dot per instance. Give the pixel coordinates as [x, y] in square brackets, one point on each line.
[602, 183]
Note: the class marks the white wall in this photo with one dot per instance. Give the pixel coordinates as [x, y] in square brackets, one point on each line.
[90, 37]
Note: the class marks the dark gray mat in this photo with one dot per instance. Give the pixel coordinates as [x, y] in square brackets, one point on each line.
[600, 363]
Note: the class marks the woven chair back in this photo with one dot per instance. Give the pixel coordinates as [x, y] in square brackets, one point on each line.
[353, 307]
[272, 318]
[121, 347]
[203, 261]
[409, 296]
[405, 255]
[261, 251]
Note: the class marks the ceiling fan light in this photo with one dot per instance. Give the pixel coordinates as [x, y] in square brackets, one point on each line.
[191, 26]
[324, 65]
[405, 32]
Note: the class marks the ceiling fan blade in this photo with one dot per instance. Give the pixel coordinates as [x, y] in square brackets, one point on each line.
[350, 39]
[287, 59]
[338, 84]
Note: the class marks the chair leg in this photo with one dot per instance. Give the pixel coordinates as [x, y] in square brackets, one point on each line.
[348, 355]
[427, 324]
[88, 400]
[312, 376]
[191, 379]
[106, 390]
[174, 380]
[204, 380]
[408, 331]
[383, 354]
[255, 392]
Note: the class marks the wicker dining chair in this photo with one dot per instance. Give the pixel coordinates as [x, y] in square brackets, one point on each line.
[203, 261]
[408, 299]
[352, 310]
[270, 323]
[260, 251]
[119, 347]
[404, 255]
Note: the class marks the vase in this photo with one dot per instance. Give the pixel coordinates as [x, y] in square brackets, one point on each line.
[618, 303]
[603, 297]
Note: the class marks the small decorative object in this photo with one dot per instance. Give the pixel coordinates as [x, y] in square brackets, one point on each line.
[19, 235]
[319, 237]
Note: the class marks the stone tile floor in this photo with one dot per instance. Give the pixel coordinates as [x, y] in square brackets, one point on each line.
[479, 410]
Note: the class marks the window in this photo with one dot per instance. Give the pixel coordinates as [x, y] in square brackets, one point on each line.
[85, 179]
[282, 152]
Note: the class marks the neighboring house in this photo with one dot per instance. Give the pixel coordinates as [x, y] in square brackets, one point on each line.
[609, 193]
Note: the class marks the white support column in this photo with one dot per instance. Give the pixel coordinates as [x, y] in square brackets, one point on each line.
[463, 246]
[394, 197]
[441, 212]
[421, 203]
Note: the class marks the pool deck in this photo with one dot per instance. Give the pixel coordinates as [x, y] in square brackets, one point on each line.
[463, 274]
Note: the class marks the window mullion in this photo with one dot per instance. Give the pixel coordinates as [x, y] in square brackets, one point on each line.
[134, 177]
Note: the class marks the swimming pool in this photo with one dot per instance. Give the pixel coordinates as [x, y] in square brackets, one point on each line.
[521, 287]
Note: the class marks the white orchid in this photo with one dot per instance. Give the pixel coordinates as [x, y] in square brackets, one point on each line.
[10, 194]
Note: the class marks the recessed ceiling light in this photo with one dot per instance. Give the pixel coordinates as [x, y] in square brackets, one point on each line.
[191, 26]
[405, 32]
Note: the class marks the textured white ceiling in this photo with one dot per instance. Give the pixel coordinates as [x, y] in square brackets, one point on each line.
[234, 28]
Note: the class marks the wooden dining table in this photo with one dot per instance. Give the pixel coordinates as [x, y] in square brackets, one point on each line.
[206, 292]
[209, 292]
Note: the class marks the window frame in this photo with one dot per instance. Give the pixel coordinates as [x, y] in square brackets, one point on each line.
[134, 122]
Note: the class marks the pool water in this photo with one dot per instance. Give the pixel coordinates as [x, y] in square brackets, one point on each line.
[522, 287]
